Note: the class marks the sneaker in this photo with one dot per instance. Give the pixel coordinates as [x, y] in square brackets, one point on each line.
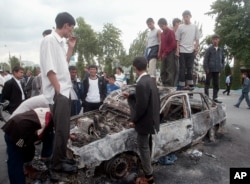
[236, 106]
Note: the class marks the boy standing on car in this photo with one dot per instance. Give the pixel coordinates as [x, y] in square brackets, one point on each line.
[145, 116]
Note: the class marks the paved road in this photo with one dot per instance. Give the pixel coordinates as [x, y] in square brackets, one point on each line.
[231, 150]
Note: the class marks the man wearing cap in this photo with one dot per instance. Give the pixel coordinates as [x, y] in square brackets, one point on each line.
[213, 63]
[187, 37]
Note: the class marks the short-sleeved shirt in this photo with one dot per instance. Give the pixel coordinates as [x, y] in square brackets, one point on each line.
[53, 58]
[186, 35]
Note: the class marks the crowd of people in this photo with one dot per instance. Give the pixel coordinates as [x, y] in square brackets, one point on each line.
[41, 106]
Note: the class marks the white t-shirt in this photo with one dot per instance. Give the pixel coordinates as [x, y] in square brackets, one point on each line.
[120, 80]
[53, 58]
[93, 95]
[186, 35]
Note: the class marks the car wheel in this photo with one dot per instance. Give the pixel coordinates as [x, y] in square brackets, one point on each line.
[124, 167]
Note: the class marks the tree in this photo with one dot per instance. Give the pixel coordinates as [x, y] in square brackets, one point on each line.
[110, 45]
[5, 67]
[138, 46]
[14, 61]
[233, 26]
[86, 46]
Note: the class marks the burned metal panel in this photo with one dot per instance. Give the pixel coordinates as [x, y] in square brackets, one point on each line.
[219, 114]
[91, 155]
[202, 122]
[172, 136]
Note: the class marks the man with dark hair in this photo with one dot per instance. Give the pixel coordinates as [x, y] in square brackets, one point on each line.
[76, 92]
[145, 116]
[46, 32]
[111, 84]
[153, 42]
[167, 54]
[13, 90]
[95, 90]
[213, 64]
[176, 22]
[56, 85]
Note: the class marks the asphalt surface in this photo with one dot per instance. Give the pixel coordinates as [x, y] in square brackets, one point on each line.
[230, 149]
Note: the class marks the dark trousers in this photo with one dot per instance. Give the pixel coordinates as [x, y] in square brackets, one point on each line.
[15, 162]
[214, 76]
[228, 87]
[168, 70]
[75, 107]
[47, 141]
[91, 106]
[143, 141]
[61, 117]
[186, 63]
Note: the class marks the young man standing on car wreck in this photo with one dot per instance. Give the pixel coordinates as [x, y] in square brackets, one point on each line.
[145, 116]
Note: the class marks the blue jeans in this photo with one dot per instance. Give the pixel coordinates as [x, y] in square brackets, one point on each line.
[243, 95]
[15, 162]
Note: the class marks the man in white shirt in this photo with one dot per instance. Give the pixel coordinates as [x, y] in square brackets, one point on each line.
[56, 85]
[95, 90]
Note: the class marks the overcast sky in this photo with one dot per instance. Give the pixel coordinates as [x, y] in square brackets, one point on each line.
[23, 21]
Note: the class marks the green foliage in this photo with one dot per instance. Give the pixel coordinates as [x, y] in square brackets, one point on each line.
[4, 67]
[87, 43]
[132, 78]
[14, 61]
[222, 80]
[138, 46]
[236, 83]
[233, 26]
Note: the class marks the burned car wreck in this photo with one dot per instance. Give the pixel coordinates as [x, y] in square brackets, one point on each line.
[102, 142]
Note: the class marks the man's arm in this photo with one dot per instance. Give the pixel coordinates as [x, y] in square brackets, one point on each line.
[71, 44]
[53, 79]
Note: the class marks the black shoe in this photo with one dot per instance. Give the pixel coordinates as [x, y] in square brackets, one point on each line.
[217, 101]
[224, 92]
[236, 106]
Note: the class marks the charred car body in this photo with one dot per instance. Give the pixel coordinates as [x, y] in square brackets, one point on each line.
[102, 140]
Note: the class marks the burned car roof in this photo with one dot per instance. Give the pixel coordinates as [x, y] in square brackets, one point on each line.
[118, 102]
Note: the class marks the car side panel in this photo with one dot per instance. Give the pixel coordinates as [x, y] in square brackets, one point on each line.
[171, 137]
